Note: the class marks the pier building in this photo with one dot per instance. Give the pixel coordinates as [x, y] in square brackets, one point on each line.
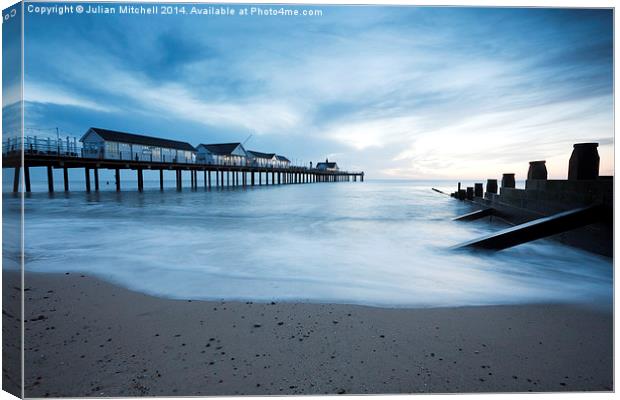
[114, 145]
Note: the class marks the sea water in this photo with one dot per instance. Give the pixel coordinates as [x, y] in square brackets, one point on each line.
[378, 243]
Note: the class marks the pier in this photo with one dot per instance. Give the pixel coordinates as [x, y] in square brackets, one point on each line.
[58, 155]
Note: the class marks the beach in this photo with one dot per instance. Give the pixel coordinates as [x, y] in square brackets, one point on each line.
[88, 337]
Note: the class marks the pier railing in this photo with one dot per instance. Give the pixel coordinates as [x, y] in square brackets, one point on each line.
[71, 147]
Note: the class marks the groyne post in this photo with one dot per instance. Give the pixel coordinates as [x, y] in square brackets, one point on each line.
[478, 191]
[492, 186]
[584, 162]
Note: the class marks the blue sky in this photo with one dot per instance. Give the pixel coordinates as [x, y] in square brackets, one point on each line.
[400, 92]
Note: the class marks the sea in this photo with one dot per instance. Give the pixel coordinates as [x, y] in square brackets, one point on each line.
[383, 243]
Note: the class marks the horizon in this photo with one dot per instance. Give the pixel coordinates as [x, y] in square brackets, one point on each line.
[402, 92]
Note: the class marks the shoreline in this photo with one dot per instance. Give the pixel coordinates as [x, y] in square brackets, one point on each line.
[88, 337]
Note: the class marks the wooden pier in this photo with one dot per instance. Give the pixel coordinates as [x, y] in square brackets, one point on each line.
[213, 175]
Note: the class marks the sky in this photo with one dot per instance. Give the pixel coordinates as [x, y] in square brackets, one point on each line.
[399, 92]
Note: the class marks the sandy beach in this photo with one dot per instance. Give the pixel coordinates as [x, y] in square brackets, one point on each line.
[87, 337]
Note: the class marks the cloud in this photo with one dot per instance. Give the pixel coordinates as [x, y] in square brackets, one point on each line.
[404, 92]
[40, 92]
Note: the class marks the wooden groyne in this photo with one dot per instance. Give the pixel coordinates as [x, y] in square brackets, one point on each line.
[577, 211]
[212, 175]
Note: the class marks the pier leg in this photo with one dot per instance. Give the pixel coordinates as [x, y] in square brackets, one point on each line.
[161, 179]
[140, 183]
[228, 178]
[217, 178]
[96, 173]
[117, 175]
[205, 178]
[27, 178]
[362, 178]
[209, 179]
[260, 178]
[252, 178]
[16, 179]
[221, 179]
[273, 178]
[50, 179]
[87, 178]
[65, 178]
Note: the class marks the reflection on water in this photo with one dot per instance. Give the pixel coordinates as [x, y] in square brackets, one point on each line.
[376, 243]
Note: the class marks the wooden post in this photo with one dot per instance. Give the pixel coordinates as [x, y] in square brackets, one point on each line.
[87, 178]
[50, 179]
[16, 179]
[204, 178]
[27, 178]
[117, 174]
[273, 178]
[161, 179]
[221, 179]
[228, 178]
[140, 187]
[209, 179]
[252, 178]
[96, 171]
[65, 177]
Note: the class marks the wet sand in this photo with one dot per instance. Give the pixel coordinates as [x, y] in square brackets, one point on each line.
[86, 337]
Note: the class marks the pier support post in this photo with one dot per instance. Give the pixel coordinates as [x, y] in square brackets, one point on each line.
[161, 179]
[96, 175]
[228, 178]
[209, 179]
[140, 181]
[252, 178]
[50, 179]
[204, 178]
[260, 178]
[221, 179]
[27, 178]
[117, 174]
[65, 178]
[16, 179]
[87, 178]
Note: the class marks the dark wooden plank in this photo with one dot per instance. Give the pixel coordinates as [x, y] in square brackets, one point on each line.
[539, 228]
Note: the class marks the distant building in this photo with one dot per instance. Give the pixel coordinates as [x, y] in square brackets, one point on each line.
[327, 166]
[107, 144]
[260, 159]
[222, 154]
[283, 162]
